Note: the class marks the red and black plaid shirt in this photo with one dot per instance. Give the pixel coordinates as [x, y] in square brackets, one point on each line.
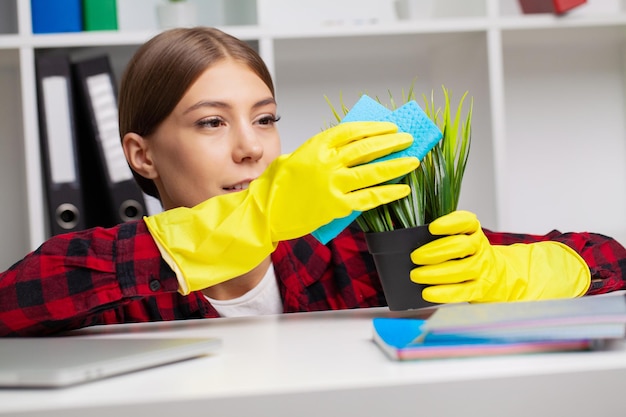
[116, 275]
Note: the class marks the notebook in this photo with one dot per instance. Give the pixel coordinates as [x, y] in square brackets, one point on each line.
[585, 323]
[63, 361]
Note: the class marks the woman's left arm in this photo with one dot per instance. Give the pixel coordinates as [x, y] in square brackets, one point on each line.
[605, 256]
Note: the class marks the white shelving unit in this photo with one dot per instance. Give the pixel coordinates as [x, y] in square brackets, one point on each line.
[549, 138]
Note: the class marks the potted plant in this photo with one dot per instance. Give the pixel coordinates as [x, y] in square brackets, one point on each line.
[394, 230]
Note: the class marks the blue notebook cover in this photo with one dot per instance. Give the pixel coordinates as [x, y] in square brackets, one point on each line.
[400, 339]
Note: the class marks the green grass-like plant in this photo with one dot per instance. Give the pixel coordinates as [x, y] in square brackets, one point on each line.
[436, 183]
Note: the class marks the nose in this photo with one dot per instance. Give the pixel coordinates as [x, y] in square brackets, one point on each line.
[247, 146]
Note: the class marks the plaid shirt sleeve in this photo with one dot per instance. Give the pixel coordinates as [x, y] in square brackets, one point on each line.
[315, 277]
[605, 257]
[72, 279]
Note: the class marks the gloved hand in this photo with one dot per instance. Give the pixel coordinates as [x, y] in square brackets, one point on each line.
[464, 266]
[228, 235]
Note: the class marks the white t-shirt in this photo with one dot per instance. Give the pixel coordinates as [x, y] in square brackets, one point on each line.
[262, 299]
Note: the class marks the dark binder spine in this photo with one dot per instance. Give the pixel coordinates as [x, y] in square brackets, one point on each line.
[111, 194]
[57, 131]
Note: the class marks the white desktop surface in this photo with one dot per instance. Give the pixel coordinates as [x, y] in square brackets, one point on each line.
[325, 364]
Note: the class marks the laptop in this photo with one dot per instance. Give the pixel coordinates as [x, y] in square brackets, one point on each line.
[64, 361]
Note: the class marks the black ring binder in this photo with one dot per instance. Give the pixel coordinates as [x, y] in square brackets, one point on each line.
[57, 131]
[111, 194]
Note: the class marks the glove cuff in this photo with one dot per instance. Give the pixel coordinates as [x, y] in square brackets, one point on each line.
[582, 274]
[217, 240]
[183, 287]
[548, 269]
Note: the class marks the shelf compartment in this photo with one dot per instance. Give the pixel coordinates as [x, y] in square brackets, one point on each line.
[564, 93]
[13, 216]
[377, 65]
[8, 17]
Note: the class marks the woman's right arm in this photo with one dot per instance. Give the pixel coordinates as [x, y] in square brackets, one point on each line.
[71, 279]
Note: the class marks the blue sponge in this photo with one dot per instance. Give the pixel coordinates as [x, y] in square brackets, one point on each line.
[409, 118]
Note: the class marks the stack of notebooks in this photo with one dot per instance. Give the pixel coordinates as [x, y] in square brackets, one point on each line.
[461, 330]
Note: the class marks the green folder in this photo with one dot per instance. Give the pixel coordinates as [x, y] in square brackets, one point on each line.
[99, 15]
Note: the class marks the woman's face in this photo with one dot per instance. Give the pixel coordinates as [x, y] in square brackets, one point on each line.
[220, 136]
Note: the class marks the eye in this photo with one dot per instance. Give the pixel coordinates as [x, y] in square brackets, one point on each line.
[268, 120]
[212, 122]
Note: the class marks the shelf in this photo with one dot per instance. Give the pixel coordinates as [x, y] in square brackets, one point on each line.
[10, 42]
[547, 21]
[448, 25]
[252, 32]
[100, 38]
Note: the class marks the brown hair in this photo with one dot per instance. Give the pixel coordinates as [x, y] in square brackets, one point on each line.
[162, 70]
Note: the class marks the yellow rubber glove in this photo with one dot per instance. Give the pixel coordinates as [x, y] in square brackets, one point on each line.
[464, 266]
[228, 235]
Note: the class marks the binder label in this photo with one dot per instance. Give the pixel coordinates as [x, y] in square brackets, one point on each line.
[102, 96]
[59, 128]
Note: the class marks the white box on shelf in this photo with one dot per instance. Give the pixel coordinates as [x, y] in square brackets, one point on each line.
[240, 12]
[326, 13]
[426, 9]
[137, 15]
[414, 9]
[177, 14]
[460, 8]
[210, 12]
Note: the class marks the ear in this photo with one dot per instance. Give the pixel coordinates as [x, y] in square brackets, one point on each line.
[137, 152]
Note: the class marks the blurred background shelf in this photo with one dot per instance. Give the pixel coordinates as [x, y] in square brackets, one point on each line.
[549, 138]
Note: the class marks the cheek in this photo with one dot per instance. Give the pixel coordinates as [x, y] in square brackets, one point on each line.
[272, 149]
[174, 163]
[202, 166]
[193, 180]
[190, 155]
[183, 168]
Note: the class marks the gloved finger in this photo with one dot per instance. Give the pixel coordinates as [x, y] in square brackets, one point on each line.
[369, 198]
[363, 176]
[445, 249]
[343, 133]
[451, 272]
[457, 222]
[453, 293]
[373, 147]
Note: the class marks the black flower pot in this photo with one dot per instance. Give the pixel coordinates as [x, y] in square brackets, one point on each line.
[392, 256]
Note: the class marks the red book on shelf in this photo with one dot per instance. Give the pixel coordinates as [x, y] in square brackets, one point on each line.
[549, 6]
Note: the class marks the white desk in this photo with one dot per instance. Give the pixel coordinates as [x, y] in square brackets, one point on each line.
[324, 364]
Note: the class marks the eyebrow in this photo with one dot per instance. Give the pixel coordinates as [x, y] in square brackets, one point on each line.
[221, 104]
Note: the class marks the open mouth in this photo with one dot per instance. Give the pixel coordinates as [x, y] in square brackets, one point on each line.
[238, 187]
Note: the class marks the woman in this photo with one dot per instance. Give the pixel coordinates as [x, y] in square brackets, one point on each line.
[198, 127]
